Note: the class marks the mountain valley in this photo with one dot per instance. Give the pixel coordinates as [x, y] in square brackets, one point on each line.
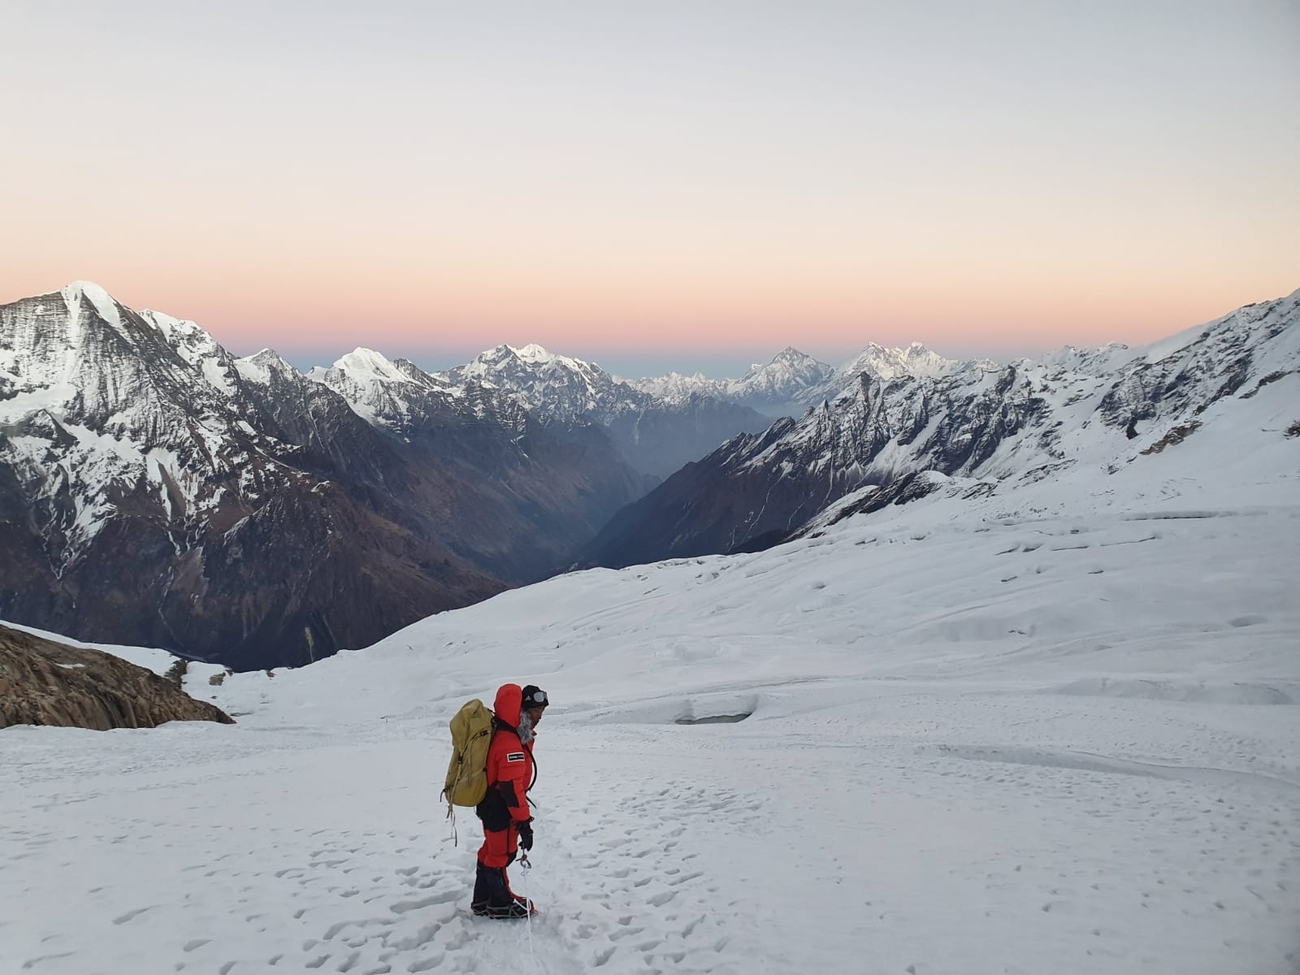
[158, 491]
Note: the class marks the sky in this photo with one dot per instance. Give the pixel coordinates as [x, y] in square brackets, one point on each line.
[671, 185]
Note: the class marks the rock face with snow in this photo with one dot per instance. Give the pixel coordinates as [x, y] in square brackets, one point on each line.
[910, 414]
[789, 380]
[656, 433]
[513, 494]
[43, 682]
[793, 382]
[783, 387]
[915, 361]
[154, 490]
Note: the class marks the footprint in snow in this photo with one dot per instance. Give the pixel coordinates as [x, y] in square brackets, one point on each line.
[133, 914]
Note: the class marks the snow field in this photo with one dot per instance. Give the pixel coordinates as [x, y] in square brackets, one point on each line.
[1027, 734]
[869, 826]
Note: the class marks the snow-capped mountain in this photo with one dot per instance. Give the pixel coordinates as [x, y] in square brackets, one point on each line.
[1032, 419]
[790, 378]
[794, 381]
[656, 434]
[781, 387]
[83, 378]
[143, 465]
[874, 360]
[677, 388]
[249, 514]
[389, 393]
[557, 483]
[554, 387]
[915, 361]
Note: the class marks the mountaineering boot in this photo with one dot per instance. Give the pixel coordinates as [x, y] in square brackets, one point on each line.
[524, 903]
[509, 912]
[492, 896]
[482, 890]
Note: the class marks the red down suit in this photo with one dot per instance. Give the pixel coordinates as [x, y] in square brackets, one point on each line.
[509, 777]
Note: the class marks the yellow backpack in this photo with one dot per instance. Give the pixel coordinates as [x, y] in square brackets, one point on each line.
[471, 735]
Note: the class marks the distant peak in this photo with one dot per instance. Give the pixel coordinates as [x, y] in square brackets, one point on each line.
[262, 367]
[266, 357]
[361, 355]
[363, 364]
[531, 355]
[498, 353]
[533, 352]
[915, 360]
[88, 288]
[104, 303]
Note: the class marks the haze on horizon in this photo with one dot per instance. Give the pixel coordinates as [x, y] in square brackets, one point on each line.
[678, 186]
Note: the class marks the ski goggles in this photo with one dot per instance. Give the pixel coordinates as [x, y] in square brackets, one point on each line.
[536, 699]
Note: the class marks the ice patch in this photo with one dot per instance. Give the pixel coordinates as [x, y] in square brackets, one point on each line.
[721, 708]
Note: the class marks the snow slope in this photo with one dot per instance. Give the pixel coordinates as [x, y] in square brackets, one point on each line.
[1053, 729]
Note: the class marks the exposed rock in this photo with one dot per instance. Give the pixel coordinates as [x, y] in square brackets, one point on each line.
[48, 683]
[157, 491]
[656, 430]
[1175, 436]
[1026, 421]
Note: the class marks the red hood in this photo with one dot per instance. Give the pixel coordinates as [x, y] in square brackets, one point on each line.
[509, 702]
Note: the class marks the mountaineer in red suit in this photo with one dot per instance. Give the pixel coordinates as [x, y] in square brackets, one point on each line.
[507, 823]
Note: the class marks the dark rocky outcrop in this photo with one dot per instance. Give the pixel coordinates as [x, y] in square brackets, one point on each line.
[48, 683]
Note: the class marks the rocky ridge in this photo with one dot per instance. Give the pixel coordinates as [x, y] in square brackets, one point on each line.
[655, 434]
[43, 682]
[1028, 420]
[155, 490]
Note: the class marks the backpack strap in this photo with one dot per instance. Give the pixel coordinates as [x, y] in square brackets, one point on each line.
[529, 748]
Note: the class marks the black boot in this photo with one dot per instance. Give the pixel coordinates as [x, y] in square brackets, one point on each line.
[517, 901]
[492, 897]
[482, 898]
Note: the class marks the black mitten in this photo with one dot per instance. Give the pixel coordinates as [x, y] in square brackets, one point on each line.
[525, 834]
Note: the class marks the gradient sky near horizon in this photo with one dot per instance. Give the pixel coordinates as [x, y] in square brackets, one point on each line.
[654, 186]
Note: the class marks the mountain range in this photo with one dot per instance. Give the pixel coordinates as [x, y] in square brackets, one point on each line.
[156, 490]
[905, 425]
[653, 431]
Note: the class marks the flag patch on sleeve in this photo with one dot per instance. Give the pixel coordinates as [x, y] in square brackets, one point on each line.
[515, 757]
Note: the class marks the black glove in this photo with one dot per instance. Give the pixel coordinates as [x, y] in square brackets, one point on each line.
[525, 834]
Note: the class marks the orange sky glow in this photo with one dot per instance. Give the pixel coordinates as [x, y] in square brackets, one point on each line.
[666, 182]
